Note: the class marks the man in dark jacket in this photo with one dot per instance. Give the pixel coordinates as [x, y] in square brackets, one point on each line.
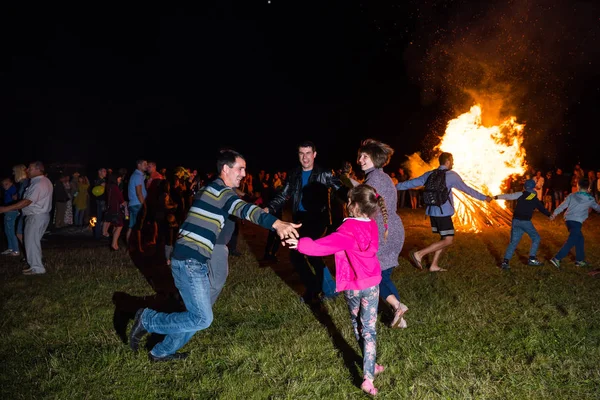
[308, 187]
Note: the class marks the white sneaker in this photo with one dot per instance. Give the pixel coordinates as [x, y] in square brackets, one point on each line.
[403, 324]
[6, 252]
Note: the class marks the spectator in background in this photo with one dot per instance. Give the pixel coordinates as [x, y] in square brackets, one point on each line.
[100, 202]
[62, 197]
[539, 185]
[116, 210]
[548, 191]
[10, 218]
[81, 199]
[22, 182]
[36, 205]
[137, 197]
[401, 193]
[561, 187]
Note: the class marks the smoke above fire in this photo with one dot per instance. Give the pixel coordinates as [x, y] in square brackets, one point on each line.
[527, 59]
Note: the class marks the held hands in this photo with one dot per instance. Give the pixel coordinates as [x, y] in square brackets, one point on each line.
[286, 230]
[488, 199]
[292, 243]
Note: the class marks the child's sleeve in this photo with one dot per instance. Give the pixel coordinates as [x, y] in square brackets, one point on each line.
[330, 244]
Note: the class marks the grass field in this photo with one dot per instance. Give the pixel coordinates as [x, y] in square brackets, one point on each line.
[474, 332]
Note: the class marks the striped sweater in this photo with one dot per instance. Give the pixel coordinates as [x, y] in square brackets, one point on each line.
[210, 209]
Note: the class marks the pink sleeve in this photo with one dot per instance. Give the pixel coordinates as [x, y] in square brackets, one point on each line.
[330, 244]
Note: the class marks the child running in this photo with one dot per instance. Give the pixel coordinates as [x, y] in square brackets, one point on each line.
[527, 202]
[358, 272]
[578, 206]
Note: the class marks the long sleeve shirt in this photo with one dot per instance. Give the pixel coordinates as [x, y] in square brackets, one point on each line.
[578, 207]
[453, 180]
[207, 217]
[527, 202]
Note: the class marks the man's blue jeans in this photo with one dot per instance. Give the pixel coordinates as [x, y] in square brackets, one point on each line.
[10, 219]
[191, 278]
[520, 227]
[575, 239]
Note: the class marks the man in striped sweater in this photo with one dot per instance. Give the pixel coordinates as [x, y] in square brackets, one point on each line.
[193, 250]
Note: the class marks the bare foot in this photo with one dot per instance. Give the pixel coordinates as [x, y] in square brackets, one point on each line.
[437, 269]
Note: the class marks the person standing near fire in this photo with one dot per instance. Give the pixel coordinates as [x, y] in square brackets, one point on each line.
[440, 216]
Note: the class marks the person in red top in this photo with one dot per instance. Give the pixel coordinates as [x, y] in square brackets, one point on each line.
[358, 272]
[115, 210]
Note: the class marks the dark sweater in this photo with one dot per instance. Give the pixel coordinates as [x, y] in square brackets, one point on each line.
[527, 202]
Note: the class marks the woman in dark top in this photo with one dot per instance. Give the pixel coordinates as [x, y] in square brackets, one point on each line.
[115, 210]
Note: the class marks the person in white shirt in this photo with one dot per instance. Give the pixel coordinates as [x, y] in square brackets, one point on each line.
[36, 206]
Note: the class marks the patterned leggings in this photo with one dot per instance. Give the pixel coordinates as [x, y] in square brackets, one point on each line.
[365, 302]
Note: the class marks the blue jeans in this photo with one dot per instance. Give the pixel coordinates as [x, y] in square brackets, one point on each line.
[133, 214]
[79, 216]
[386, 286]
[328, 284]
[575, 239]
[520, 227]
[191, 278]
[10, 219]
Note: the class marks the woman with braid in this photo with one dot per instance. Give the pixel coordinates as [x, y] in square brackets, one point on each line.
[358, 272]
[373, 155]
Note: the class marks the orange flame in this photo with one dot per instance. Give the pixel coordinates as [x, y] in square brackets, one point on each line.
[484, 156]
[93, 221]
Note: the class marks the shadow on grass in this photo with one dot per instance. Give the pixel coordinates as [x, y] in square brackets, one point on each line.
[255, 238]
[349, 355]
[152, 264]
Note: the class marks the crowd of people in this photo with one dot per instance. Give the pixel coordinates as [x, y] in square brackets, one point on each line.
[350, 215]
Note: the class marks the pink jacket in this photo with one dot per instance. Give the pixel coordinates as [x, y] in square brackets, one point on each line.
[355, 245]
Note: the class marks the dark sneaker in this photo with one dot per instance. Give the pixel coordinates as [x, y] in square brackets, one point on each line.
[582, 264]
[555, 262]
[535, 262]
[504, 265]
[137, 331]
[170, 357]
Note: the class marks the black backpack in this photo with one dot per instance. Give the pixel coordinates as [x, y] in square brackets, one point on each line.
[436, 193]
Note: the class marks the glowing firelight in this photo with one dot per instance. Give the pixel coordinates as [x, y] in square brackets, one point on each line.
[93, 221]
[484, 156]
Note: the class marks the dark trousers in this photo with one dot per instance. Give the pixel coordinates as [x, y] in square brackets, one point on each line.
[272, 239]
[313, 227]
[576, 240]
[100, 204]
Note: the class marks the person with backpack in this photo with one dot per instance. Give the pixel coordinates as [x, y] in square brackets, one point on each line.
[438, 198]
[527, 202]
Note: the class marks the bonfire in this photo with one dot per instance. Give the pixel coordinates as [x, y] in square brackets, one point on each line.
[485, 157]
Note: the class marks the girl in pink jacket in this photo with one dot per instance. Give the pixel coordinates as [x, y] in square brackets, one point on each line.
[358, 273]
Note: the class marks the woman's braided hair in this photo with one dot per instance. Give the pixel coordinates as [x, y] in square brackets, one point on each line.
[367, 200]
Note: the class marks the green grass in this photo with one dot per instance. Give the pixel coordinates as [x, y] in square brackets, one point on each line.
[474, 332]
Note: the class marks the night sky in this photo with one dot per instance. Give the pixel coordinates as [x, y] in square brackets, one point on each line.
[104, 87]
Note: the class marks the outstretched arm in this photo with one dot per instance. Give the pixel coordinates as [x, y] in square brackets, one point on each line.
[453, 180]
[413, 183]
[330, 244]
[17, 206]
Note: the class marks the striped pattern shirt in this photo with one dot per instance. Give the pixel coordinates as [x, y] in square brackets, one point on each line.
[210, 209]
